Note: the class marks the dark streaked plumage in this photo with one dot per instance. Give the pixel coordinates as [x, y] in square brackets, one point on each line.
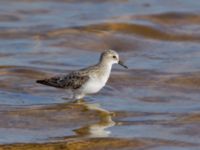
[74, 80]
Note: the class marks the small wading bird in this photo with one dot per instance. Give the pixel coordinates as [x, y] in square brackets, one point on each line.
[88, 80]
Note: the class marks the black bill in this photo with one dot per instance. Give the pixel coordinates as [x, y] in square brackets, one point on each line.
[122, 64]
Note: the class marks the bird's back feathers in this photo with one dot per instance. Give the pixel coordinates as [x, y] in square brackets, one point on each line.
[73, 80]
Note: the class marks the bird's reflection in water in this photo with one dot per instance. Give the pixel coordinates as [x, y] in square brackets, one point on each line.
[99, 129]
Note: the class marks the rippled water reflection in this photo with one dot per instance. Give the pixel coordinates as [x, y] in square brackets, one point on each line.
[153, 105]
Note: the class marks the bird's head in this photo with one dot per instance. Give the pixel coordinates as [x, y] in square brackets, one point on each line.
[112, 57]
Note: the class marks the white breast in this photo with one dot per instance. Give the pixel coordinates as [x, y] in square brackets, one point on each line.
[96, 83]
[92, 86]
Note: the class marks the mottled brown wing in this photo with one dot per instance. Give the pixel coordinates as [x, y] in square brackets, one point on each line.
[72, 81]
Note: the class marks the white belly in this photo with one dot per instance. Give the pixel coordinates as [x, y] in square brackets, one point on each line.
[93, 86]
[96, 83]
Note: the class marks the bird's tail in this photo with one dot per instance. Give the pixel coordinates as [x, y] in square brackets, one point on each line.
[50, 82]
[42, 82]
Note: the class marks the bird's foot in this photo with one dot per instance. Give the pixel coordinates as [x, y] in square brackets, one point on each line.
[66, 98]
[73, 101]
[78, 101]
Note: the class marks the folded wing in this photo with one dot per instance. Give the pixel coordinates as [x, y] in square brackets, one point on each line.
[72, 81]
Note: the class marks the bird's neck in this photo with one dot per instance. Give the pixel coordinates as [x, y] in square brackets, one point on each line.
[105, 69]
[106, 65]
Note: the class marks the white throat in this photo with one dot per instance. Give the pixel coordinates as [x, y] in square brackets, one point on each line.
[106, 69]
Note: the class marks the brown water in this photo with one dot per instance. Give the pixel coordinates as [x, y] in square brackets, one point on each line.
[154, 105]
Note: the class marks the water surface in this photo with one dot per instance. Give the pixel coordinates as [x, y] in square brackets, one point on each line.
[153, 105]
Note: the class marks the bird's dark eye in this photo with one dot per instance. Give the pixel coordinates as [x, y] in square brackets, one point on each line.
[114, 57]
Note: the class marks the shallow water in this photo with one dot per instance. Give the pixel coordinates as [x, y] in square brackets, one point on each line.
[153, 105]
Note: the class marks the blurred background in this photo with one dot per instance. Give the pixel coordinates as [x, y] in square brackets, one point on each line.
[155, 103]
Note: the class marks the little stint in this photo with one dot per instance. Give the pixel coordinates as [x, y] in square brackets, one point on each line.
[88, 80]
